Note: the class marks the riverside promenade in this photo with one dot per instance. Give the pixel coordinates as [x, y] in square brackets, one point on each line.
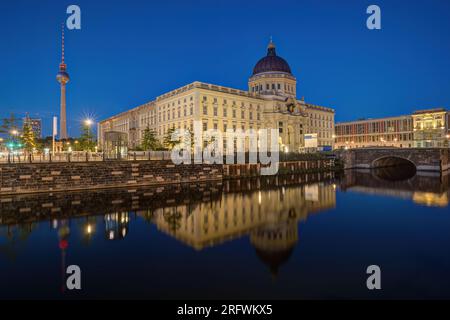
[93, 171]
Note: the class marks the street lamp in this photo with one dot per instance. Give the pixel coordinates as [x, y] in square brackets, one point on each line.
[88, 123]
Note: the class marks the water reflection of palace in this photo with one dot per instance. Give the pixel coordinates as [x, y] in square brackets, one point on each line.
[267, 210]
[269, 217]
[237, 214]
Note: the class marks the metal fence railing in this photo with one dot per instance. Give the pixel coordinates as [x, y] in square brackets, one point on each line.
[81, 156]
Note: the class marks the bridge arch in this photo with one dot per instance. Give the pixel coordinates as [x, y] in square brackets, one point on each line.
[393, 168]
[391, 161]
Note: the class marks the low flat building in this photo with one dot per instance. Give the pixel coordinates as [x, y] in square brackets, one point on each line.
[269, 103]
[424, 128]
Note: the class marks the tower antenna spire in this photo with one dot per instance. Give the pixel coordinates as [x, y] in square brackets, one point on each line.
[62, 42]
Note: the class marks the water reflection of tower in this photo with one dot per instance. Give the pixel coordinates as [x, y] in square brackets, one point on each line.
[275, 242]
[116, 225]
[63, 235]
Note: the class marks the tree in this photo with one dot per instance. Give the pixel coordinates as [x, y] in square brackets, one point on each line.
[86, 141]
[168, 142]
[27, 138]
[149, 141]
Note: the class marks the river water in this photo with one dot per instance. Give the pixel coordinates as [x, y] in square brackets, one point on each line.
[287, 237]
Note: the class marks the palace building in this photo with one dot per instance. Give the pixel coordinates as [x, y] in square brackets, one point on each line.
[270, 102]
[423, 129]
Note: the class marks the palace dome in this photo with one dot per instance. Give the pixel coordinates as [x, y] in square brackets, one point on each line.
[271, 62]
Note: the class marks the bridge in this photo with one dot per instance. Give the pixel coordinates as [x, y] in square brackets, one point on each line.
[423, 159]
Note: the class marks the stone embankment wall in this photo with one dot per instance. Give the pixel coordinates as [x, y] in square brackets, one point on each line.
[53, 177]
[22, 178]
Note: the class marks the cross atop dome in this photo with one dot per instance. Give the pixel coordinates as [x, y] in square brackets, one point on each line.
[271, 48]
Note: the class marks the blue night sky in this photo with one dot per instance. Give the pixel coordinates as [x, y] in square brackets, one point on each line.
[129, 52]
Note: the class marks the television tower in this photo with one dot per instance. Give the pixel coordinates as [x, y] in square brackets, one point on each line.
[63, 78]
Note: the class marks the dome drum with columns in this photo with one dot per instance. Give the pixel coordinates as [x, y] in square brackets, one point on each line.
[272, 75]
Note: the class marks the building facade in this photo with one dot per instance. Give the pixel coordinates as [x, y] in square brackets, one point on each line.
[424, 128]
[270, 103]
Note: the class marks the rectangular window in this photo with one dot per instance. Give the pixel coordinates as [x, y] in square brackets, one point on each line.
[215, 111]
[242, 114]
[205, 110]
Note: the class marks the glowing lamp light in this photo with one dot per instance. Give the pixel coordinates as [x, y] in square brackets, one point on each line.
[88, 122]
